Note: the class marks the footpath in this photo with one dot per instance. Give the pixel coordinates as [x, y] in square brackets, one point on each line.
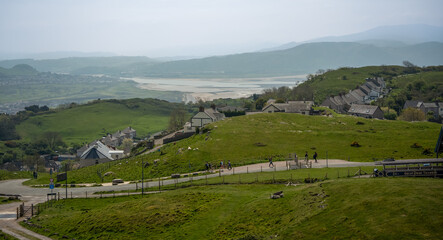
[10, 225]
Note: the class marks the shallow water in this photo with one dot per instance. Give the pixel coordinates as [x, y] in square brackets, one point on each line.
[209, 89]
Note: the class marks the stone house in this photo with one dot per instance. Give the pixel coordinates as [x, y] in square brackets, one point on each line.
[371, 90]
[206, 116]
[302, 107]
[366, 111]
[436, 108]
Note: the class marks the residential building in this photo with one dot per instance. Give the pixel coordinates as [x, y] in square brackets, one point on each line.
[366, 111]
[302, 107]
[206, 116]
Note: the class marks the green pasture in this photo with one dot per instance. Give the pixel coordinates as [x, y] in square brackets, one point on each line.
[92, 121]
[370, 208]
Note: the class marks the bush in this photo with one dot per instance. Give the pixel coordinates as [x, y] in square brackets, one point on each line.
[412, 114]
[390, 116]
[427, 151]
[355, 144]
[11, 144]
[416, 145]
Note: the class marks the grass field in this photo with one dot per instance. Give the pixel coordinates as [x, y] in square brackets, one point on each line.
[92, 121]
[386, 208]
[236, 139]
[5, 175]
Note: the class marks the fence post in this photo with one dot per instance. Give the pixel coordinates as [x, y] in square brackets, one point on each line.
[159, 187]
[58, 196]
[261, 168]
[359, 172]
[17, 213]
[273, 177]
[206, 181]
[233, 171]
[348, 172]
[247, 169]
[71, 195]
[86, 194]
[338, 174]
[32, 210]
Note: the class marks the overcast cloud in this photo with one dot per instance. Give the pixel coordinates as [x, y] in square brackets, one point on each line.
[194, 27]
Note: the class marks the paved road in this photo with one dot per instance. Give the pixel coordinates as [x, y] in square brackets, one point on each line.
[29, 195]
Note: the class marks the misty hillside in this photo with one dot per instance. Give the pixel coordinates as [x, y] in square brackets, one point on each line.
[84, 65]
[383, 36]
[302, 59]
[306, 58]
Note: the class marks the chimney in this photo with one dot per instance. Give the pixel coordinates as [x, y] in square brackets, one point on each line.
[201, 109]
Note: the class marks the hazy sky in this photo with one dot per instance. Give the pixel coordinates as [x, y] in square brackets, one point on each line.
[194, 27]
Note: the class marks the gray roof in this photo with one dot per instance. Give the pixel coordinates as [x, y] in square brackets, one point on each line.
[412, 104]
[98, 150]
[430, 105]
[298, 106]
[362, 109]
[214, 114]
[231, 109]
[128, 130]
[365, 89]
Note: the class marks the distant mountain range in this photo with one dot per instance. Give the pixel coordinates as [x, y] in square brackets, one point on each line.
[384, 36]
[390, 45]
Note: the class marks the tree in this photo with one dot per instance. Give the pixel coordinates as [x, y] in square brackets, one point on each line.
[127, 145]
[412, 114]
[7, 129]
[52, 140]
[177, 119]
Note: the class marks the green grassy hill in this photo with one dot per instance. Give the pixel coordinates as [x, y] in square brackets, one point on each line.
[402, 208]
[425, 83]
[85, 123]
[252, 138]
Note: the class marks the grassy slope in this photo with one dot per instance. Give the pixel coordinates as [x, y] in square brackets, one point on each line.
[86, 122]
[343, 209]
[4, 175]
[234, 139]
[332, 82]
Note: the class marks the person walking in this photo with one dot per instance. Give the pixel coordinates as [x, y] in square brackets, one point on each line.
[306, 157]
[270, 162]
[315, 157]
[221, 164]
[229, 165]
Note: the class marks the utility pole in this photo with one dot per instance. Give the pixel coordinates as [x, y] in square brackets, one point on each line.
[143, 166]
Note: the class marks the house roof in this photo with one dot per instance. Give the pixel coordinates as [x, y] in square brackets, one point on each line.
[211, 113]
[128, 130]
[430, 105]
[412, 104]
[362, 109]
[231, 109]
[365, 89]
[97, 151]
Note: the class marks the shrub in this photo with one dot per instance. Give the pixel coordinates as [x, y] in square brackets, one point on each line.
[427, 151]
[11, 144]
[360, 123]
[416, 145]
[355, 144]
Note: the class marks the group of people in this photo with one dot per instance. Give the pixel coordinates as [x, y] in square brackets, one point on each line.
[271, 164]
[222, 165]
